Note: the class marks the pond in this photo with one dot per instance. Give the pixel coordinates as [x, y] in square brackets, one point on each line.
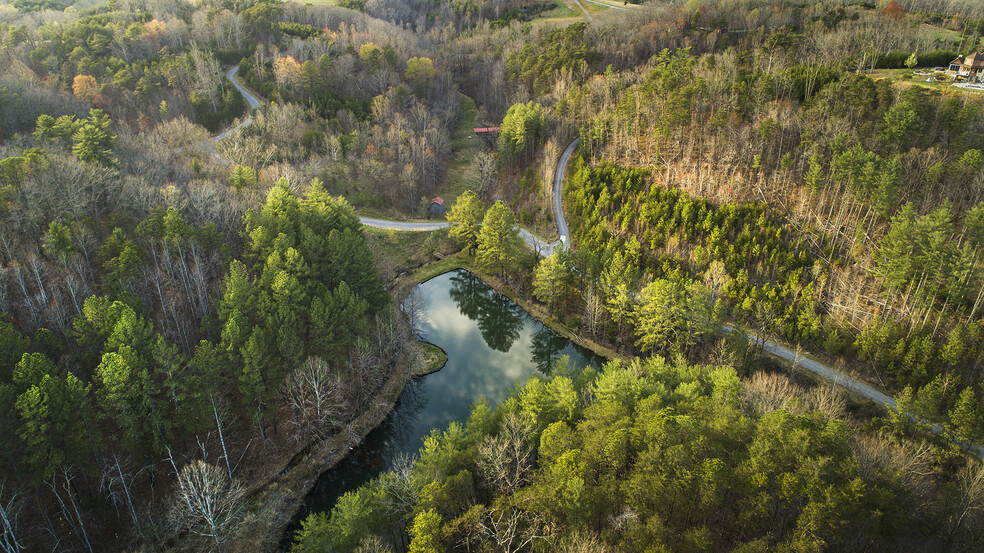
[492, 344]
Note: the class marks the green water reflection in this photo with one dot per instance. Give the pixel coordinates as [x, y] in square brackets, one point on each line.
[492, 345]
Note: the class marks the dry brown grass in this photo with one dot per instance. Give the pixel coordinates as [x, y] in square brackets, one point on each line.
[765, 392]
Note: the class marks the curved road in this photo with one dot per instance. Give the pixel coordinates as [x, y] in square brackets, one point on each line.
[251, 100]
[558, 194]
[542, 248]
[537, 244]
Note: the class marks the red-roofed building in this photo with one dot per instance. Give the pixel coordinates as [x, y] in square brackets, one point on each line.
[481, 130]
[437, 206]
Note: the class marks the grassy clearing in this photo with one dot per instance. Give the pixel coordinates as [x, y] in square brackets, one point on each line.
[462, 169]
[434, 359]
[594, 8]
[398, 253]
[563, 10]
[941, 34]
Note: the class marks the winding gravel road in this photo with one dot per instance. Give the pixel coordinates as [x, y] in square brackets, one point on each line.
[543, 248]
[251, 100]
[558, 194]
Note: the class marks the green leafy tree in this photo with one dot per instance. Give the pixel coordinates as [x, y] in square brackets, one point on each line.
[550, 278]
[254, 388]
[351, 262]
[93, 143]
[618, 303]
[498, 241]
[52, 413]
[419, 72]
[886, 192]
[242, 177]
[187, 383]
[128, 396]
[425, 533]
[523, 131]
[966, 416]
[901, 124]
[235, 333]
[973, 224]
[814, 175]
[58, 242]
[894, 256]
[13, 345]
[338, 319]
[120, 258]
[465, 218]
[912, 60]
[311, 77]
[672, 312]
[238, 293]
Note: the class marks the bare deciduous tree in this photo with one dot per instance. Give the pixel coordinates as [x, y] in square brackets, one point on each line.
[582, 541]
[413, 307]
[70, 510]
[401, 487]
[373, 544]
[116, 483]
[488, 173]
[964, 527]
[207, 504]
[594, 311]
[505, 461]
[10, 508]
[208, 75]
[510, 530]
[315, 396]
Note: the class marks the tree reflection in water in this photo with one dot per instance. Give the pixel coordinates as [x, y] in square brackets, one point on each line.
[545, 348]
[499, 319]
[468, 293]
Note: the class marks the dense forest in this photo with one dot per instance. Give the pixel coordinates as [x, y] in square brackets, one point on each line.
[190, 306]
[655, 456]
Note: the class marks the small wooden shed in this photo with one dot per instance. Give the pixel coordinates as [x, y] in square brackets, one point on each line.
[437, 206]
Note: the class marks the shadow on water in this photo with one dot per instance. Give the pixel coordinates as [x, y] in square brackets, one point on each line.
[546, 349]
[491, 344]
[499, 319]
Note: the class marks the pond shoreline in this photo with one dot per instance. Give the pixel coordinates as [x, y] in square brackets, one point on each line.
[462, 261]
[277, 501]
[282, 498]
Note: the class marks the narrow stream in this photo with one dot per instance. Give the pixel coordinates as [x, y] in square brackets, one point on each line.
[492, 344]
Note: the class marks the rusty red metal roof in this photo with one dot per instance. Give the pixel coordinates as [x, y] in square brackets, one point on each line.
[477, 130]
[438, 200]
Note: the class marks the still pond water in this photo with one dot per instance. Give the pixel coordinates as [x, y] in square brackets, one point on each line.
[492, 344]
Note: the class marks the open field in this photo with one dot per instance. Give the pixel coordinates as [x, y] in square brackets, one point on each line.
[563, 10]
[905, 78]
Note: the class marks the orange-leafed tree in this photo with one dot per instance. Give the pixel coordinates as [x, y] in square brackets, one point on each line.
[893, 11]
[287, 71]
[154, 27]
[86, 88]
